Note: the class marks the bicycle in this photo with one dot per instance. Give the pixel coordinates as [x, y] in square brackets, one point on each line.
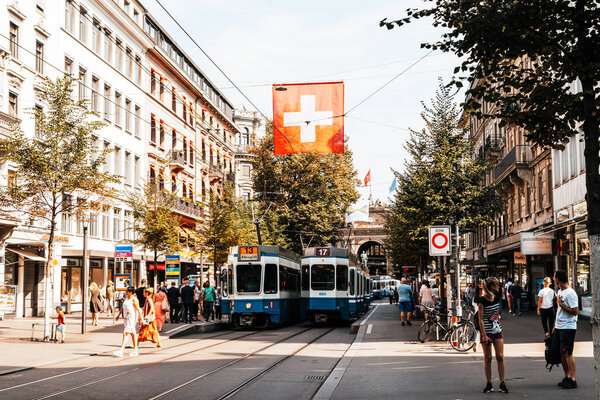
[460, 333]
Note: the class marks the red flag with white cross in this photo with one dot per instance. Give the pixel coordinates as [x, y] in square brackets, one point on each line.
[308, 118]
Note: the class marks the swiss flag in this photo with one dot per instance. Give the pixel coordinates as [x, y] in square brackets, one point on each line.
[308, 118]
[368, 178]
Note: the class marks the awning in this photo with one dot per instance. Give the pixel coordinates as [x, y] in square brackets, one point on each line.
[561, 225]
[193, 235]
[27, 254]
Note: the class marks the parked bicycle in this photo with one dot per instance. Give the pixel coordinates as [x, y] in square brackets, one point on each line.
[460, 332]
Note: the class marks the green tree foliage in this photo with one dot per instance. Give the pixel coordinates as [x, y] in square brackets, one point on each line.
[58, 167]
[303, 197]
[441, 185]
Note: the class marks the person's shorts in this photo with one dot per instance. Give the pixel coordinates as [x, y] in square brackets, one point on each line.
[60, 328]
[405, 306]
[566, 339]
[495, 336]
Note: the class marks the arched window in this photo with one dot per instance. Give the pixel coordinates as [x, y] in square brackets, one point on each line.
[246, 137]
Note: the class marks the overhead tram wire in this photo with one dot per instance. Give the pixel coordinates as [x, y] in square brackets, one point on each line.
[221, 70]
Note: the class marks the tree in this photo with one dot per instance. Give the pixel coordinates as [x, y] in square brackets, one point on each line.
[229, 224]
[58, 170]
[442, 183]
[562, 43]
[155, 224]
[304, 196]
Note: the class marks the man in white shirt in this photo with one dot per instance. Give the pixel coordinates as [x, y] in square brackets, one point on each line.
[508, 296]
[565, 327]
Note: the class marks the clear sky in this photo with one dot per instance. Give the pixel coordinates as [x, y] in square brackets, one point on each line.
[259, 42]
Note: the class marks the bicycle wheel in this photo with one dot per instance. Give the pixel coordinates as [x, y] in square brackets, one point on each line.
[426, 332]
[463, 337]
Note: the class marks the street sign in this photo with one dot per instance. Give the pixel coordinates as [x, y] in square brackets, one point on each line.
[124, 252]
[439, 241]
[172, 266]
[122, 282]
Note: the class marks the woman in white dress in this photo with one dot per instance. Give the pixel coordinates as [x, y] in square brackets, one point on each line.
[131, 315]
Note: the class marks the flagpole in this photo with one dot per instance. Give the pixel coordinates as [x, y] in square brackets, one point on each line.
[370, 186]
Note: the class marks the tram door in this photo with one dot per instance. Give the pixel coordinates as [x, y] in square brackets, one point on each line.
[226, 290]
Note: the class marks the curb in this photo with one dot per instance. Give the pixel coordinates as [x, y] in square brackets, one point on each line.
[192, 329]
[21, 369]
[361, 321]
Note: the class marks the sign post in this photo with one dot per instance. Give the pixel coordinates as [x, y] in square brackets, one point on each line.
[172, 272]
[439, 246]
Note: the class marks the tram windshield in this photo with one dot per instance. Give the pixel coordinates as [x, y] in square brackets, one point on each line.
[248, 278]
[322, 277]
[341, 277]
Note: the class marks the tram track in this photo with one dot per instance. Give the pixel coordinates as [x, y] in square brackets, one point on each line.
[162, 349]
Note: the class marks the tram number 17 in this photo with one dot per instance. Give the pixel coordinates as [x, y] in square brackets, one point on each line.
[322, 252]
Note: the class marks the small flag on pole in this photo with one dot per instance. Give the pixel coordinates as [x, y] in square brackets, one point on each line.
[393, 186]
[368, 178]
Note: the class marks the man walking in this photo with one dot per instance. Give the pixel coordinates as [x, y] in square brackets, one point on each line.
[139, 293]
[173, 298]
[515, 293]
[507, 287]
[565, 327]
[404, 294]
[187, 298]
[208, 294]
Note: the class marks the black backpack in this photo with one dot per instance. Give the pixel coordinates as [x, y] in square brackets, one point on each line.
[552, 352]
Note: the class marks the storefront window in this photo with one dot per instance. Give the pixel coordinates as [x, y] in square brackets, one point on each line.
[583, 285]
[10, 269]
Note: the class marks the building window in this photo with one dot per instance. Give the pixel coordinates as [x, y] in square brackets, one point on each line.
[136, 16]
[191, 154]
[13, 104]
[93, 225]
[107, 164]
[128, 62]
[39, 57]
[107, 46]
[153, 82]
[95, 94]
[117, 159]
[152, 129]
[126, 7]
[39, 110]
[128, 168]
[105, 223]
[173, 100]
[69, 13]
[82, 24]
[82, 79]
[162, 90]
[161, 141]
[246, 171]
[540, 191]
[136, 171]
[65, 222]
[138, 117]
[581, 152]
[96, 36]
[127, 115]
[127, 230]
[117, 224]
[138, 70]
[118, 109]
[119, 54]
[573, 155]
[107, 103]
[14, 40]
[68, 66]
[173, 139]
[549, 187]
[565, 165]
[184, 109]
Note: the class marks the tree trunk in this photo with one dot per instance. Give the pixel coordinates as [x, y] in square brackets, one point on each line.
[592, 179]
[48, 284]
[155, 270]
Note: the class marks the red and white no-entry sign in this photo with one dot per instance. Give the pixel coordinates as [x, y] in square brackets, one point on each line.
[439, 241]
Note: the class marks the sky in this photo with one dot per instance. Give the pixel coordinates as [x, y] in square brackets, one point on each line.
[258, 43]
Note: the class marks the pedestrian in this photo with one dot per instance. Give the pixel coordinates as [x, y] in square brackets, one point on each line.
[208, 296]
[197, 296]
[515, 294]
[131, 315]
[565, 327]
[139, 292]
[391, 295]
[404, 302]
[187, 298]
[160, 299]
[436, 291]
[95, 298]
[396, 298]
[163, 287]
[426, 298]
[110, 298]
[148, 331]
[469, 293]
[491, 331]
[60, 325]
[218, 299]
[173, 296]
[545, 306]
[507, 287]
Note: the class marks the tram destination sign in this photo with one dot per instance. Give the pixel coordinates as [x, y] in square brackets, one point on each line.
[248, 253]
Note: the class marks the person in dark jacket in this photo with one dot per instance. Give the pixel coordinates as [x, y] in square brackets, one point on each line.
[173, 298]
[139, 293]
[187, 298]
[515, 292]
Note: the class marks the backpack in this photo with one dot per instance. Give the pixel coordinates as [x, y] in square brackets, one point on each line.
[552, 351]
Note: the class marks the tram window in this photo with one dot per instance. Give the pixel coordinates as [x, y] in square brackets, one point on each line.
[305, 277]
[322, 277]
[341, 277]
[288, 279]
[352, 273]
[270, 284]
[225, 288]
[230, 278]
[248, 278]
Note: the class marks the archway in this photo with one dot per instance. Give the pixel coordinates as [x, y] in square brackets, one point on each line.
[376, 262]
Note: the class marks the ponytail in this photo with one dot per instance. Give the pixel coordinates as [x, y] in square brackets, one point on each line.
[486, 283]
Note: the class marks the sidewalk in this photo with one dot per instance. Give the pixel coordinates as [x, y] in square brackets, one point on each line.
[387, 362]
[19, 352]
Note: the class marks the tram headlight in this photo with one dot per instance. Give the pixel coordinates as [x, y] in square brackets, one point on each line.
[248, 306]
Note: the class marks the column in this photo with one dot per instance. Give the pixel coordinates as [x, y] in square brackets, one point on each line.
[2, 262]
[572, 260]
[20, 288]
[142, 271]
[104, 272]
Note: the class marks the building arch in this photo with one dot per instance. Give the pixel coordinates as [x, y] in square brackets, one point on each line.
[376, 261]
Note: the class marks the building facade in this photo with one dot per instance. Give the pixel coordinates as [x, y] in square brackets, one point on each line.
[249, 123]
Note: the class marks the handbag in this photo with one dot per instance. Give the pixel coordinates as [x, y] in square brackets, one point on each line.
[148, 319]
[165, 305]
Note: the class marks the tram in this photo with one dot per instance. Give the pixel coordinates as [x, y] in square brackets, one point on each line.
[261, 286]
[382, 286]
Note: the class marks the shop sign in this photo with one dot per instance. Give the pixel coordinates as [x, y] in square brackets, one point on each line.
[160, 267]
[8, 299]
[535, 244]
[520, 258]
[501, 266]
[124, 253]
[122, 282]
[409, 268]
[57, 239]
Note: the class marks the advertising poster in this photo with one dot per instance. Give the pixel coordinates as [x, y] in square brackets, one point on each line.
[8, 299]
[122, 282]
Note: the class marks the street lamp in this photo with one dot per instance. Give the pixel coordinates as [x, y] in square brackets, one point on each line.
[84, 275]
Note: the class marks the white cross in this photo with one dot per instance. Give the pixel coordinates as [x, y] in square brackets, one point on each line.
[307, 118]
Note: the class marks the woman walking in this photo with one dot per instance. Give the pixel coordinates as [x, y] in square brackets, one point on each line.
[426, 298]
[95, 297]
[110, 298]
[160, 298]
[491, 332]
[218, 299]
[545, 306]
[148, 332]
[131, 314]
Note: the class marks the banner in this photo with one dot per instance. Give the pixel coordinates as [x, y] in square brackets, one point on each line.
[360, 213]
[308, 118]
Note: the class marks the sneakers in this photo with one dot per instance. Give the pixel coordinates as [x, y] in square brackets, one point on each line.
[488, 388]
[569, 384]
[403, 324]
[134, 353]
[118, 353]
[562, 383]
[503, 388]
[408, 323]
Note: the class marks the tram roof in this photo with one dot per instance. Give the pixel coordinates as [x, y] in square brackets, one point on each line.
[268, 251]
[333, 252]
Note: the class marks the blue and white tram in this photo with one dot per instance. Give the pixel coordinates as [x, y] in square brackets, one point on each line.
[382, 286]
[261, 286]
[327, 284]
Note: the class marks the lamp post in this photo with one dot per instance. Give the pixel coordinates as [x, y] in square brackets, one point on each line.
[84, 279]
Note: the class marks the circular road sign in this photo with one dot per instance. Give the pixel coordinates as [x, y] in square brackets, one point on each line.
[439, 238]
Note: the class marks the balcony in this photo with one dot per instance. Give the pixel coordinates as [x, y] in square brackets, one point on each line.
[493, 147]
[187, 208]
[7, 122]
[215, 173]
[516, 159]
[178, 160]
